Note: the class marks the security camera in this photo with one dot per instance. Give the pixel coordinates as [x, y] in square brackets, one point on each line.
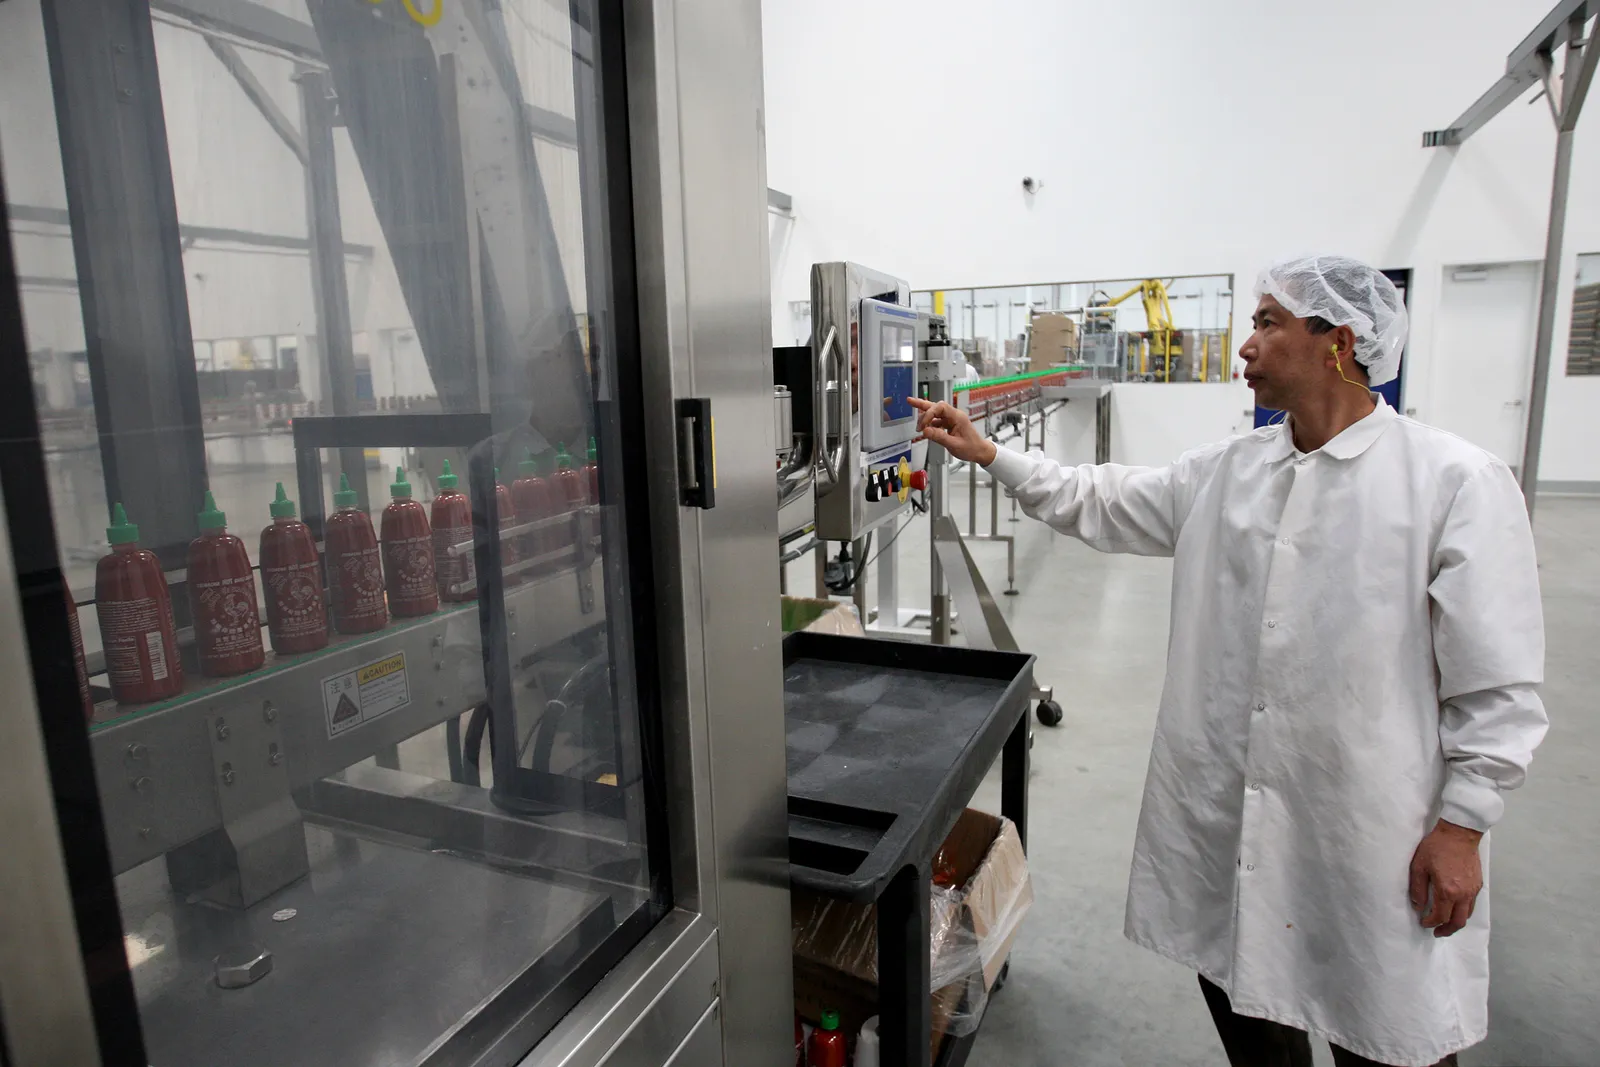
[1031, 185]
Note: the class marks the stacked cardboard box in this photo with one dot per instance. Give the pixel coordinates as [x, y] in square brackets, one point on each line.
[1053, 339]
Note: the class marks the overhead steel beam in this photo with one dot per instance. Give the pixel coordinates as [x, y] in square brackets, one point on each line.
[281, 124]
[248, 20]
[782, 203]
[1525, 67]
[1534, 61]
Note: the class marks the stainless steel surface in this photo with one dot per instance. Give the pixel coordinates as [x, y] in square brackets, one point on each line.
[629, 994]
[242, 966]
[694, 74]
[843, 512]
[44, 997]
[674, 1015]
[342, 988]
[156, 759]
[702, 1048]
[985, 626]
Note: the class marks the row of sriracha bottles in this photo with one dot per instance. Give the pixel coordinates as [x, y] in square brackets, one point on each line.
[415, 563]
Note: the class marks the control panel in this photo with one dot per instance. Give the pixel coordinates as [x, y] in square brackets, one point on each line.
[888, 375]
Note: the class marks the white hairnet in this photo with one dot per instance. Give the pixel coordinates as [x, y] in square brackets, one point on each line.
[1345, 292]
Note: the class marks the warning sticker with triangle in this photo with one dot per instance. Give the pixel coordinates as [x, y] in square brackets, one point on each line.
[369, 691]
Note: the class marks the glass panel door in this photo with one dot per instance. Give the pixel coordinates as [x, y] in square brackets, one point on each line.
[328, 319]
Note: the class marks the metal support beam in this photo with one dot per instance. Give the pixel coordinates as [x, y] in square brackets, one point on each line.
[257, 93]
[1578, 73]
[188, 234]
[329, 292]
[126, 246]
[247, 20]
[1532, 62]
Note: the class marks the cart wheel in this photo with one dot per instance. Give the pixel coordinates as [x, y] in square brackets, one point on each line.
[1049, 713]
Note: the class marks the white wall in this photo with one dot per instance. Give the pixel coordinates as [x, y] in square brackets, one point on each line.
[1171, 138]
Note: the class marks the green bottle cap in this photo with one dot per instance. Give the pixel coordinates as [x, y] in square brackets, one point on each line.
[121, 531]
[497, 474]
[529, 465]
[346, 496]
[282, 507]
[830, 1019]
[447, 480]
[210, 517]
[399, 488]
[594, 453]
[563, 457]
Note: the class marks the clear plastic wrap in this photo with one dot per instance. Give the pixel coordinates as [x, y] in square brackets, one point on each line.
[971, 924]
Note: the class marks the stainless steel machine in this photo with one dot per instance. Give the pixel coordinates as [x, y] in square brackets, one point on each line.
[543, 825]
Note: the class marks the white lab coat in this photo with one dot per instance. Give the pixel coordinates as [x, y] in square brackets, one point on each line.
[1356, 641]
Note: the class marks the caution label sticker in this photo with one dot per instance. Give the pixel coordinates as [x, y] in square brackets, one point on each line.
[366, 693]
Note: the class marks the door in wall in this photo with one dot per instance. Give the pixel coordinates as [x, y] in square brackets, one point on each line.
[1484, 354]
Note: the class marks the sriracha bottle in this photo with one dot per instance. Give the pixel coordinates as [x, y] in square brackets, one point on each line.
[135, 612]
[508, 517]
[354, 573]
[573, 493]
[407, 553]
[534, 500]
[291, 576]
[827, 1045]
[222, 598]
[452, 526]
[591, 478]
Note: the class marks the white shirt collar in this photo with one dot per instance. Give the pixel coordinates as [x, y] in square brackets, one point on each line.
[1347, 444]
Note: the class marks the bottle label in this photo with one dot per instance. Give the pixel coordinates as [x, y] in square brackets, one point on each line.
[358, 584]
[229, 624]
[294, 600]
[452, 570]
[408, 561]
[131, 633]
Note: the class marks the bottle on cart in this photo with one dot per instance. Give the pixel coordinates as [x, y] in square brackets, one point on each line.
[222, 598]
[134, 607]
[827, 1045]
[452, 527]
[78, 663]
[507, 510]
[291, 580]
[355, 575]
[534, 499]
[407, 542]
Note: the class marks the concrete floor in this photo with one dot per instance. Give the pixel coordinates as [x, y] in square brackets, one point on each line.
[1079, 994]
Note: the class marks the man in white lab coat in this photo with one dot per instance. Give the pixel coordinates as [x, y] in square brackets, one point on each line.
[1357, 638]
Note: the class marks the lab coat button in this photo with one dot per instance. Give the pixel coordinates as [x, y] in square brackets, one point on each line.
[1249, 866]
[1255, 787]
[1285, 540]
[1271, 623]
[1261, 707]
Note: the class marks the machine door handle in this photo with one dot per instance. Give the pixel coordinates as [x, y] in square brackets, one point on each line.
[697, 453]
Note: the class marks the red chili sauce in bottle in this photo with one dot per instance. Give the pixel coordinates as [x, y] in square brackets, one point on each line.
[291, 576]
[407, 544]
[572, 490]
[135, 612]
[827, 1045]
[507, 509]
[222, 598]
[78, 663]
[355, 575]
[534, 500]
[452, 527]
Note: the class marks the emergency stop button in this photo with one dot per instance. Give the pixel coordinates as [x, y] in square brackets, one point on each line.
[919, 481]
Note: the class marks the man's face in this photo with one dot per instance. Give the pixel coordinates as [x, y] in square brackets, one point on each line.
[1283, 360]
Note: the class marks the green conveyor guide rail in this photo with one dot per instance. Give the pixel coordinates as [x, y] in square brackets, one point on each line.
[1029, 376]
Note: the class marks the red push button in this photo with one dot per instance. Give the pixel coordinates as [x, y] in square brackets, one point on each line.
[919, 481]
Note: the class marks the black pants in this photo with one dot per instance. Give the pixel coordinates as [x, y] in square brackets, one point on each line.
[1253, 1042]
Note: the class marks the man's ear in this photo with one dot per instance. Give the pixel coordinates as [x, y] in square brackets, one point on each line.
[1341, 342]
